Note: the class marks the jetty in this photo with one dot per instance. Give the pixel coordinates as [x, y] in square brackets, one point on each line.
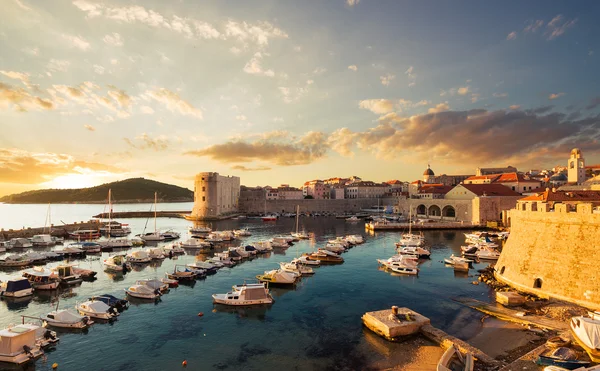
[144, 214]
[395, 226]
[54, 230]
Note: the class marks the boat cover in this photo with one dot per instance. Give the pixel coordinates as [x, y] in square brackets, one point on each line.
[13, 339]
[97, 306]
[257, 293]
[587, 330]
[12, 286]
[66, 316]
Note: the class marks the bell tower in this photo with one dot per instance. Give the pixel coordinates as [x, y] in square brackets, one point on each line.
[576, 167]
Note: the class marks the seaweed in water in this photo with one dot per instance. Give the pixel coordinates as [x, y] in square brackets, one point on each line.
[179, 329]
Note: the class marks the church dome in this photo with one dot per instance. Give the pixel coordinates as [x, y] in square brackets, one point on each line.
[560, 177]
[429, 171]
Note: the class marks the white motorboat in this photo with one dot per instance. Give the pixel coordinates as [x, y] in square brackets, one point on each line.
[200, 230]
[224, 261]
[195, 243]
[67, 275]
[414, 250]
[404, 269]
[353, 219]
[117, 263]
[41, 278]
[142, 292]
[14, 261]
[213, 238]
[335, 247]
[139, 257]
[247, 294]
[262, 246]
[170, 235]
[116, 243]
[16, 288]
[244, 232]
[279, 242]
[152, 236]
[18, 345]
[304, 261]
[452, 360]
[206, 265]
[354, 239]
[156, 253]
[278, 277]
[65, 319]
[22, 243]
[487, 254]
[42, 240]
[96, 309]
[174, 249]
[586, 332]
[456, 259]
[154, 284]
[297, 268]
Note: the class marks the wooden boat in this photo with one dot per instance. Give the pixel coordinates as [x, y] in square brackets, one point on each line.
[181, 274]
[86, 274]
[247, 294]
[67, 275]
[561, 357]
[170, 282]
[453, 360]
[18, 345]
[41, 278]
[297, 268]
[586, 332]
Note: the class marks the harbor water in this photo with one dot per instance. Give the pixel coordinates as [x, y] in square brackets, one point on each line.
[314, 326]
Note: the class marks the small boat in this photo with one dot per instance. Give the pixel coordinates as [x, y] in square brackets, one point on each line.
[41, 278]
[174, 249]
[335, 247]
[65, 319]
[138, 257]
[297, 268]
[72, 252]
[453, 360]
[208, 267]
[112, 301]
[200, 230]
[137, 241]
[278, 277]
[487, 254]
[247, 294]
[195, 243]
[116, 243]
[143, 292]
[278, 242]
[170, 282]
[52, 255]
[586, 332]
[561, 357]
[84, 234]
[457, 259]
[42, 240]
[305, 261]
[22, 243]
[262, 246]
[156, 253]
[404, 269]
[117, 263]
[213, 238]
[170, 235]
[355, 239]
[181, 274]
[67, 275]
[353, 219]
[300, 235]
[244, 232]
[269, 218]
[152, 236]
[14, 261]
[16, 288]
[414, 250]
[154, 284]
[325, 257]
[35, 257]
[96, 309]
[86, 274]
[18, 345]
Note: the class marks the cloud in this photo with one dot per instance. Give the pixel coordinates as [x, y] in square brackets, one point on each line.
[23, 167]
[146, 110]
[594, 102]
[353, 67]
[241, 118]
[89, 127]
[475, 136]
[21, 100]
[294, 94]
[556, 27]
[378, 106]
[76, 42]
[411, 76]
[58, 65]
[23, 77]
[514, 107]
[244, 168]
[21, 5]
[98, 69]
[254, 66]
[287, 151]
[351, 3]
[439, 108]
[463, 90]
[555, 96]
[173, 102]
[144, 141]
[319, 70]
[533, 26]
[113, 39]
[512, 35]
[260, 33]
[500, 95]
[387, 79]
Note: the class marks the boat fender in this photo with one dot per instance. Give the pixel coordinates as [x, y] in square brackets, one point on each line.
[200, 314]
[27, 350]
[184, 363]
[54, 366]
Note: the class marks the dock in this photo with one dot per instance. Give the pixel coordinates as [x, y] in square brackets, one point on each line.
[54, 230]
[395, 226]
[144, 214]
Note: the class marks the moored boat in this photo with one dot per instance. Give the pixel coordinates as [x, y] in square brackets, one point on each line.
[65, 319]
[562, 357]
[41, 278]
[586, 332]
[16, 288]
[277, 277]
[14, 261]
[96, 309]
[42, 240]
[18, 345]
[325, 257]
[453, 360]
[117, 263]
[247, 294]
[143, 292]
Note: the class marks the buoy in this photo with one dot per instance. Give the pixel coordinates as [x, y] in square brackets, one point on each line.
[214, 311]
[54, 366]
[200, 314]
[184, 363]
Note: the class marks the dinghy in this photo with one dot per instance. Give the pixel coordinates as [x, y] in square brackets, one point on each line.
[453, 360]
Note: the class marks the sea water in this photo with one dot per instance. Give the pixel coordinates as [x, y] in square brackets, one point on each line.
[314, 326]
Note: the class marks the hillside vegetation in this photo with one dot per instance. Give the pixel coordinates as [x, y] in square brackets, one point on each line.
[129, 190]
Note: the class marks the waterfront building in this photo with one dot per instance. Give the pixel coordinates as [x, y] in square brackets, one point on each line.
[397, 185]
[365, 189]
[576, 167]
[336, 193]
[430, 191]
[215, 195]
[285, 192]
[515, 181]
[316, 189]
[495, 170]
[271, 193]
[444, 179]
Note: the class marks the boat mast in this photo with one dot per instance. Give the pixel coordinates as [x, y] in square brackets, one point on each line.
[297, 215]
[155, 212]
[109, 213]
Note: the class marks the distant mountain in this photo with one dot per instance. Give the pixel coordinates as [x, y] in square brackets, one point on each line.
[125, 191]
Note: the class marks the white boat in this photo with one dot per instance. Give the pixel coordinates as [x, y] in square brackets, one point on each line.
[200, 230]
[224, 261]
[22, 243]
[240, 251]
[213, 238]
[18, 345]
[156, 235]
[14, 261]
[173, 248]
[453, 360]
[586, 332]
[154, 284]
[156, 253]
[279, 242]
[16, 288]
[142, 292]
[404, 269]
[65, 319]
[42, 240]
[247, 294]
[96, 309]
[297, 268]
[117, 263]
[35, 257]
[138, 257]
[278, 277]
[225, 235]
[41, 278]
[195, 243]
[487, 254]
[355, 239]
[414, 250]
[67, 275]
[353, 219]
[244, 232]
[297, 235]
[116, 243]
[456, 259]
[170, 235]
[304, 261]
[262, 246]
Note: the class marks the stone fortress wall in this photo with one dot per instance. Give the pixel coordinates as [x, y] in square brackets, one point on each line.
[289, 206]
[554, 253]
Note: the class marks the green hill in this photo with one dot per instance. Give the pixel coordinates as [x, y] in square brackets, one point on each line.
[125, 191]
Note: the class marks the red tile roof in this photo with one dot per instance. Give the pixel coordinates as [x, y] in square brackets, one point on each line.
[490, 189]
[514, 177]
[565, 196]
[435, 188]
[480, 177]
[395, 181]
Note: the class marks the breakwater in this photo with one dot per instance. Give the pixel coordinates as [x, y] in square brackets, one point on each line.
[54, 230]
[351, 205]
[143, 214]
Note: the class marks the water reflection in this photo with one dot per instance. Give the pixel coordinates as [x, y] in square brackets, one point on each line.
[250, 312]
[13, 303]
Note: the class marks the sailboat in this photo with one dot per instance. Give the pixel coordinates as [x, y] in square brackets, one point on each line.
[299, 235]
[111, 243]
[45, 240]
[153, 236]
[268, 218]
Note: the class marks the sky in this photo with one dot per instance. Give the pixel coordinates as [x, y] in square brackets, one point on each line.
[280, 92]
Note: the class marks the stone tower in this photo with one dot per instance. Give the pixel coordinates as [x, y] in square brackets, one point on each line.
[428, 175]
[215, 196]
[576, 167]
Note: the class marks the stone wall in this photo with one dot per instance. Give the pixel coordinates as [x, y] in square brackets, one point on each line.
[553, 253]
[489, 209]
[215, 195]
[289, 206]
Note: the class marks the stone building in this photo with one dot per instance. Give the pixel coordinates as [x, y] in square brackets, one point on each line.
[516, 181]
[365, 189]
[495, 170]
[429, 177]
[317, 189]
[552, 248]
[285, 192]
[576, 167]
[215, 195]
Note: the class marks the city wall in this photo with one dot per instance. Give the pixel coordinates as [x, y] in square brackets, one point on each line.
[553, 253]
[289, 206]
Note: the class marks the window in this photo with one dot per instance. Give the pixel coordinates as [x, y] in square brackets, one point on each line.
[203, 198]
[537, 284]
[203, 189]
[513, 188]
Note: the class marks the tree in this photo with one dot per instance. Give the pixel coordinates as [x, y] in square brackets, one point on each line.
[309, 197]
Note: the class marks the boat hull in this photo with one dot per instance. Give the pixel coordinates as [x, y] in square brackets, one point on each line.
[75, 325]
[594, 354]
[22, 358]
[232, 302]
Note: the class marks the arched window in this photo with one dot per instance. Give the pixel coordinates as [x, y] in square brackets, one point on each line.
[421, 210]
[537, 284]
[449, 212]
[572, 164]
[434, 210]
